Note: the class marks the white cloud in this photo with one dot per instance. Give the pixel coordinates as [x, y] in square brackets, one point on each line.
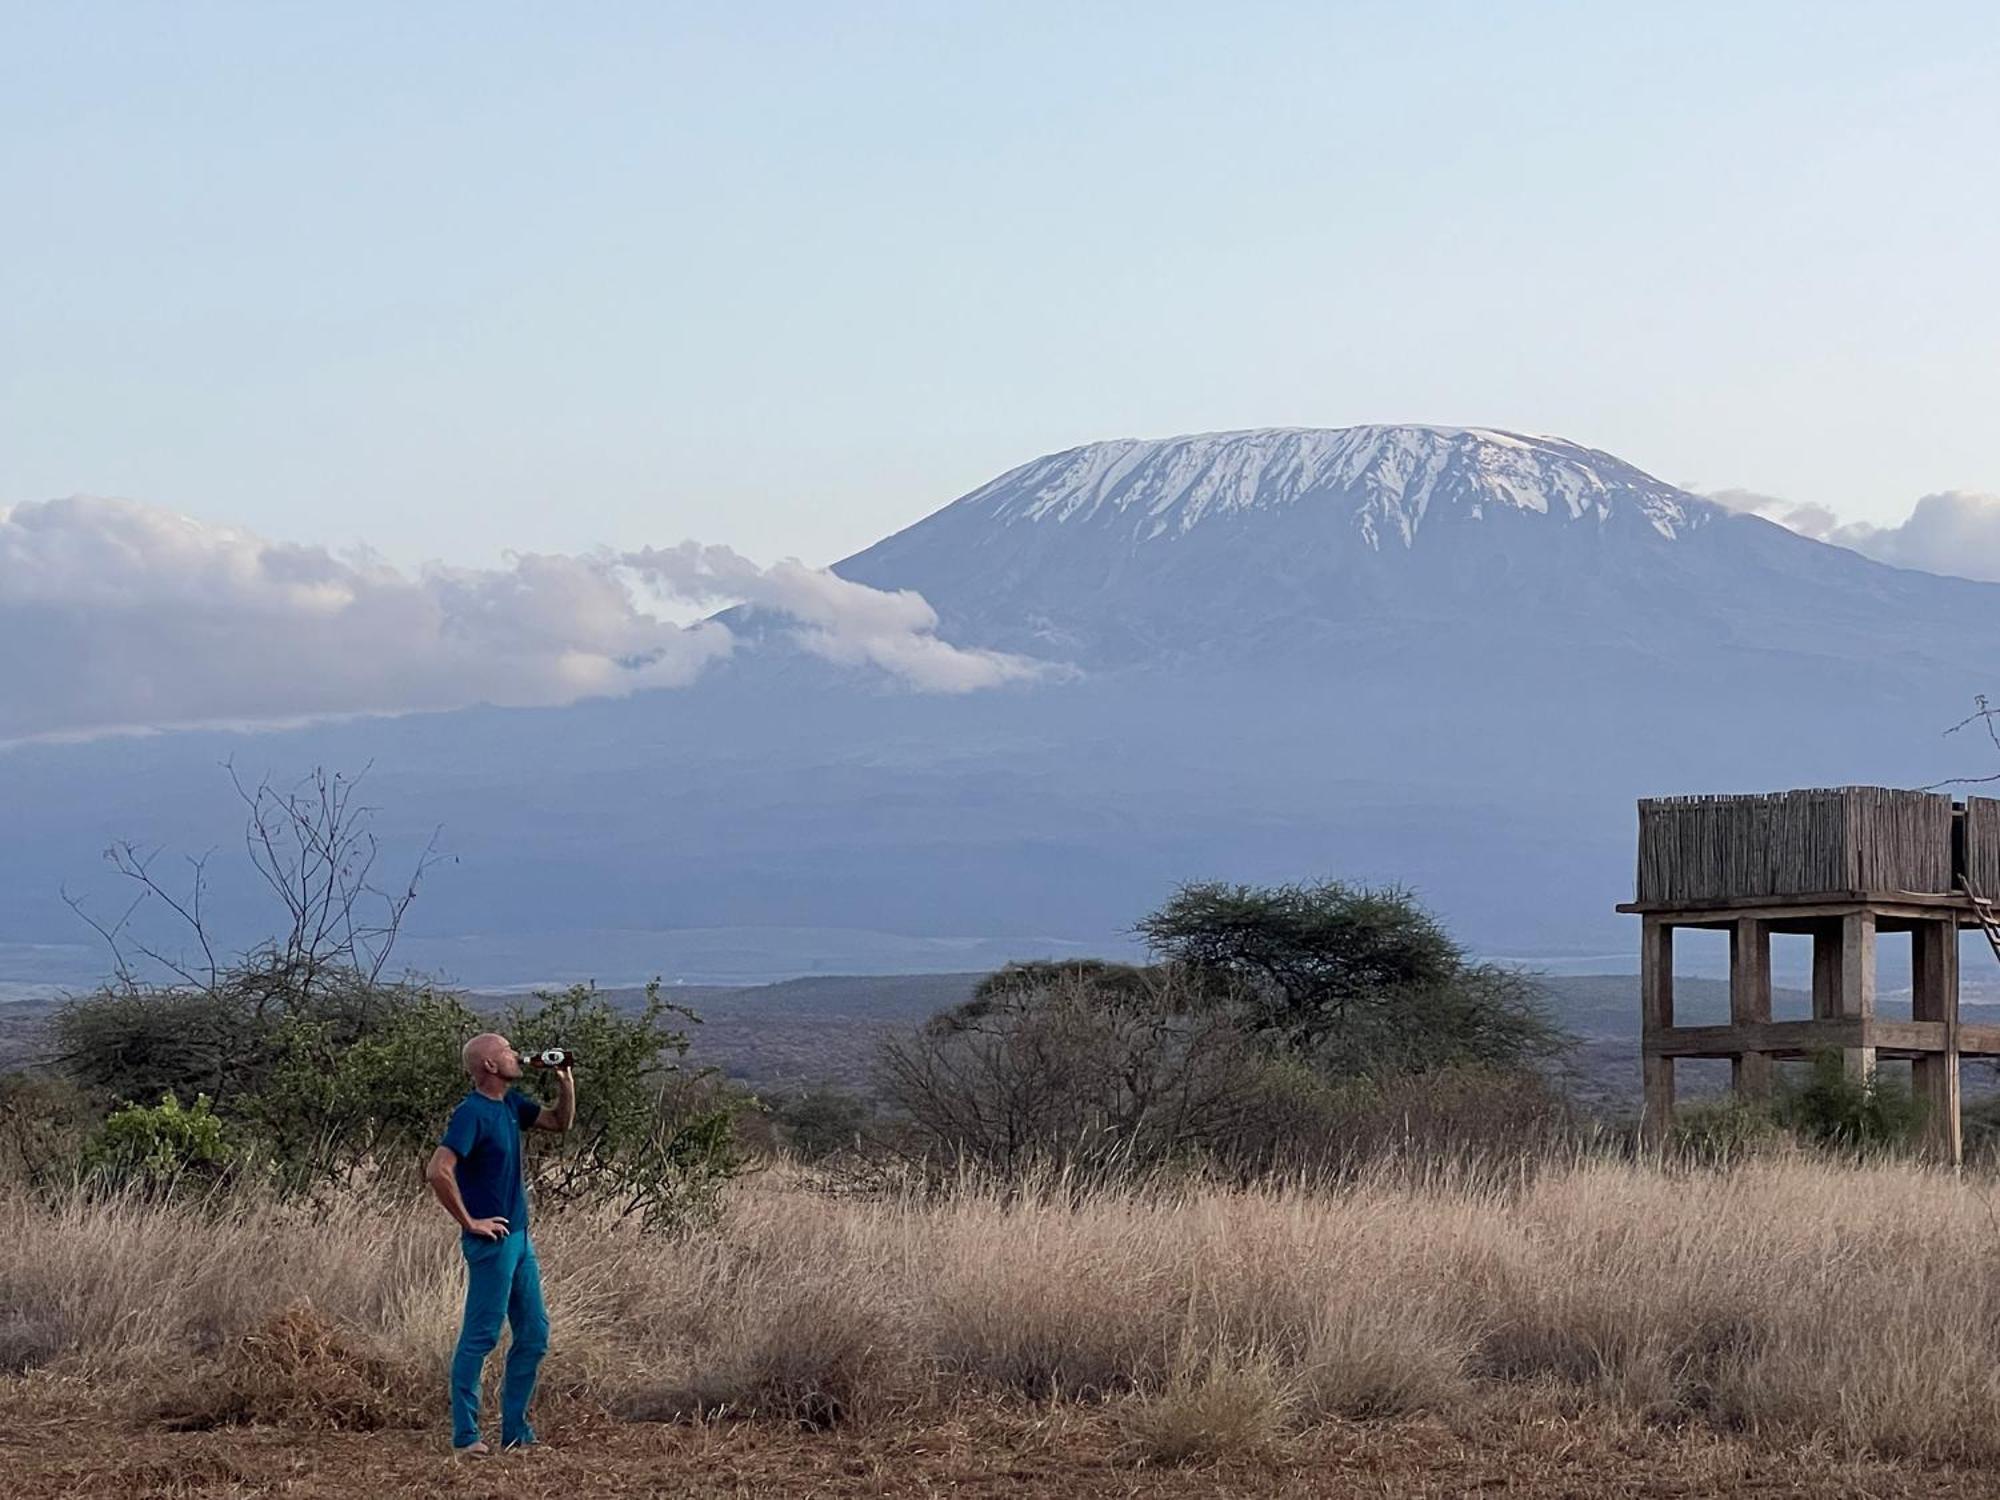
[841, 621]
[1955, 532]
[118, 615]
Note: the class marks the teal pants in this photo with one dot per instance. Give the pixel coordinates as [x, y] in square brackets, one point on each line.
[502, 1281]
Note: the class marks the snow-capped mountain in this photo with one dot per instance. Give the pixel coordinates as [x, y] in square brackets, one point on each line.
[1128, 552]
[1387, 482]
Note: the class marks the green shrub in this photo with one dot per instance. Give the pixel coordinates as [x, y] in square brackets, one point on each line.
[1831, 1108]
[341, 1101]
[820, 1122]
[354, 1082]
[1476, 1120]
[651, 1141]
[159, 1147]
[1290, 1028]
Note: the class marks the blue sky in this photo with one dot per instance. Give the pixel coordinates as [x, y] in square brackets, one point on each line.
[453, 279]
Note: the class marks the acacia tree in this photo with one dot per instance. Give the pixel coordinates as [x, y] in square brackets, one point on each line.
[1352, 979]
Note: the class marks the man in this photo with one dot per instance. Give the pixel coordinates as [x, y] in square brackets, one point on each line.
[476, 1174]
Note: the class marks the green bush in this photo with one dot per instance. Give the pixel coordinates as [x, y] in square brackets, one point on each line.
[1288, 1028]
[320, 1072]
[159, 1147]
[339, 1103]
[824, 1121]
[354, 1083]
[1831, 1108]
[651, 1141]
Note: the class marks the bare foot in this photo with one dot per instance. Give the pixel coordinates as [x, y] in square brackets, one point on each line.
[473, 1450]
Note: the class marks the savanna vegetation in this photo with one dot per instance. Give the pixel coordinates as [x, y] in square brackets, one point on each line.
[1303, 1201]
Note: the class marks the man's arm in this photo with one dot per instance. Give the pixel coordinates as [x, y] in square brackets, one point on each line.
[562, 1114]
[442, 1175]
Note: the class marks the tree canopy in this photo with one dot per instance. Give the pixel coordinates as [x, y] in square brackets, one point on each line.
[1353, 979]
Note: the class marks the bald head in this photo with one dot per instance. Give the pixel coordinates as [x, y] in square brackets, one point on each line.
[490, 1055]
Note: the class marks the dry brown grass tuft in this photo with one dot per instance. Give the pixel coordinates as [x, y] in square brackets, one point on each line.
[1787, 1301]
[1222, 1405]
[299, 1369]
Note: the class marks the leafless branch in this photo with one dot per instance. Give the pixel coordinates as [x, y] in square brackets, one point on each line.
[313, 849]
[1983, 716]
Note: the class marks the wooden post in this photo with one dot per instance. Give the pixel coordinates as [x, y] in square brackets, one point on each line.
[1855, 994]
[1826, 969]
[1750, 1004]
[1656, 1014]
[1934, 997]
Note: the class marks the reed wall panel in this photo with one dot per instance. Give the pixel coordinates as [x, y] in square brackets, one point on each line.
[1982, 845]
[1695, 850]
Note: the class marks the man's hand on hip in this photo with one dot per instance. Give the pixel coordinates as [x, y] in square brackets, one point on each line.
[487, 1229]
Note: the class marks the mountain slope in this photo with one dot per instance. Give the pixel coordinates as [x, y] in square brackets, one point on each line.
[1131, 552]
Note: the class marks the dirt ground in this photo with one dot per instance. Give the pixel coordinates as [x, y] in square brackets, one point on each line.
[1017, 1455]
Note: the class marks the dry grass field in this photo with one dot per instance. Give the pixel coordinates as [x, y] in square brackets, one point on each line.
[1788, 1327]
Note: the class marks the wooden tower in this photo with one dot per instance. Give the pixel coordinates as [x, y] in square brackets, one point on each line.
[1848, 868]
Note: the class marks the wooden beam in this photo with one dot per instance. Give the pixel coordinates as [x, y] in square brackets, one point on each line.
[1779, 1038]
[1933, 974]
[1978, 1039]
[1934, 1082]
[1804, 1038]
[1750, 1003]
[1905, 1036]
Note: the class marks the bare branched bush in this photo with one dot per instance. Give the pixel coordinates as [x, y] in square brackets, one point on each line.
[1109, 1071]
[1080, 1066]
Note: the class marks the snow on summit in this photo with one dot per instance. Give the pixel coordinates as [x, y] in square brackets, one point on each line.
[1391, 479]
[1147, 550]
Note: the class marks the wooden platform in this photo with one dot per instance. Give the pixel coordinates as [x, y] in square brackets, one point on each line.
[1845, 867]
[1844, 928]
[1901, 909]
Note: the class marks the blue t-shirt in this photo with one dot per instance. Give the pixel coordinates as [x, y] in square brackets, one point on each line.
[485, 1134]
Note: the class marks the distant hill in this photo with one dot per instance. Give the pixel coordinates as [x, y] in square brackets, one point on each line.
[807, 1031]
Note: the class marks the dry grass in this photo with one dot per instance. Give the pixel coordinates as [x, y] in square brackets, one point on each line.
[1219, 1405]
[1788, 1305]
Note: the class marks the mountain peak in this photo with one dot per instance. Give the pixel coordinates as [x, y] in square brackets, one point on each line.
[1279, 538]
[1390, 479]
